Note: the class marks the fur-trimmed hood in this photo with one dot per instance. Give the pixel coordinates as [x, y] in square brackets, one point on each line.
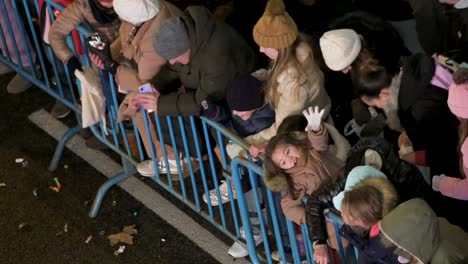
[278, 183]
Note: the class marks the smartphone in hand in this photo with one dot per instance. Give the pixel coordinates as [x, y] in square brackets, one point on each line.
[145, 88]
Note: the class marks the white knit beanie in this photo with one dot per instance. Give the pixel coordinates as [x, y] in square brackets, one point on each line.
[136, 11]
[340, 48]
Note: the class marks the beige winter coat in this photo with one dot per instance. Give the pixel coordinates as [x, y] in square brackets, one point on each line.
[142, 63]
[73, 15]
[311, 93]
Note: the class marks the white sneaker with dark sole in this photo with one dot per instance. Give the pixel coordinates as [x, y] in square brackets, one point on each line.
[239, 249]
[223, 192]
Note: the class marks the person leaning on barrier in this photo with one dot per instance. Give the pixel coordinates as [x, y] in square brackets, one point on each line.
[132, 57]
[295, 80]
[203, 55]
[378, 153]
[98, 14]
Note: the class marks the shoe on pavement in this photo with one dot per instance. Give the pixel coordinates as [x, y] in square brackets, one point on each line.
[239, 249]
[60, 110]
[4, 69]
[223, 192]
[18, 84]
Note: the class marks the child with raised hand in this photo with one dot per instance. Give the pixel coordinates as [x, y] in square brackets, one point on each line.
[297, 165]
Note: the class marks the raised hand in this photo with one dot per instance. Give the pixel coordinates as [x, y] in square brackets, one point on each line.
[314, 118]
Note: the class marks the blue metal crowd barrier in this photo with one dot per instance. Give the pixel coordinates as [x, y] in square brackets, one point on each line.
[206, 170]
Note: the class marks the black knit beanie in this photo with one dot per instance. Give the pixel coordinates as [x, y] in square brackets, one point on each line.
[245, 93]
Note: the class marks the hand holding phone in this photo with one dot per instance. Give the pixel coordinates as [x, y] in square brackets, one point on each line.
[148, 97]
[145, 88]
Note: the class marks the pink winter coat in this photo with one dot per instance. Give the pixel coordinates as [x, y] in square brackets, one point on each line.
[454, 187]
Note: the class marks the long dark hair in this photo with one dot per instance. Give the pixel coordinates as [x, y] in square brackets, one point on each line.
[272, 168]
[369, 79]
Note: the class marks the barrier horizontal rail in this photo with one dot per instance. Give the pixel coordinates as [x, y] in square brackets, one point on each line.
[199, 145]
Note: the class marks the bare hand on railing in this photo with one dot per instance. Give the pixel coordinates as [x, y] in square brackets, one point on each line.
[256, 151]
[96, 60]
[149, 101]
[320, 254]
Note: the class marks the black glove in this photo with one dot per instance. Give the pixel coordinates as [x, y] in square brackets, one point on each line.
[73, 64]
[213, 112]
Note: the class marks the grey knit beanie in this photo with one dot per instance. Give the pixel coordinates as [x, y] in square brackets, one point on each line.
[171, 39]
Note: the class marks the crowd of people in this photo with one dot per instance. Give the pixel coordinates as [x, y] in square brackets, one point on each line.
[361, 110]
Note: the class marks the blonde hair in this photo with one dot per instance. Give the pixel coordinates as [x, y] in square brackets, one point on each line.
[370, 200]
[287, 58]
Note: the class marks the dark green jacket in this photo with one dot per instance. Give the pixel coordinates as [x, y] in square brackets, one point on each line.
[415, 229]
[218, 55]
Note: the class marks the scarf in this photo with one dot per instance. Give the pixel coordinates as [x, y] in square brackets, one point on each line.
[101, 14]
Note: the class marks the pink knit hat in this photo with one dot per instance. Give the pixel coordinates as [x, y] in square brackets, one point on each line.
[458, 100]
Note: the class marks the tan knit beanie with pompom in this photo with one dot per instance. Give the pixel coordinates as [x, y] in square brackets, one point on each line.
[275, 29]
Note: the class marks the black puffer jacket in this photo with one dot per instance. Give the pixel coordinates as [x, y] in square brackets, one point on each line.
[406, 178]
[424, 114]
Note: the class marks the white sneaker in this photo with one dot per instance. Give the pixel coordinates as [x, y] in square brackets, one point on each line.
[173, 169]
[239, 249]
[146, 168]
[223, 192]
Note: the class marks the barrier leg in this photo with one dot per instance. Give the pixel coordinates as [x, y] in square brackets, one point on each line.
[102, 191]
[61, 145]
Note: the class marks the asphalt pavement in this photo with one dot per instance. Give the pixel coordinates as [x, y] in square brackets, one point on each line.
[40, 225]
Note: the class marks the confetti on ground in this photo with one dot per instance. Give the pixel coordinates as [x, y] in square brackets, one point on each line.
[2, 184]
[119, 251]
[126, 236]
[23, 226]
[58, 186]
[163, 239]
[19, 160]
[35, 192]
[88, 239]
[65, 228]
